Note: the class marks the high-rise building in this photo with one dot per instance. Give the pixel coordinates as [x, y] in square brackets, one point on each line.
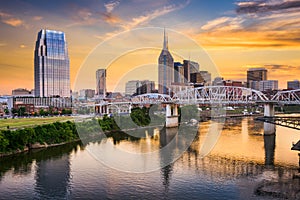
[87, 93]
[189, 68]
[194, 66]
[256, 74]
[101, 82]
[51, 65]
[165, 69]
[137, 87]
[178, 72]
[201, 77]
[218, 81]
[145, 86]
[268, 85]
[294, 85]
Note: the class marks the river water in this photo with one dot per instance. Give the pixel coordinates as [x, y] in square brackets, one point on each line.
[244, 164]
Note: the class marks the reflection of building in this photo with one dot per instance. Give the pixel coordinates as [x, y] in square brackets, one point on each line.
[256, 74]
[294, 85]
[165, 69]
[137, 87]
[101, 82]
[52, 178]
[51, 65]
[268, 85]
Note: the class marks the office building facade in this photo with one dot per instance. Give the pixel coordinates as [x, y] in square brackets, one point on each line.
[255, 74]
[293, 85]
[165, 69]
[101, 82]
[51, 65]
[137, 87]
[268, 85]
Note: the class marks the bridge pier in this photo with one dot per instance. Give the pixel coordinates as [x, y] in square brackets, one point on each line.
[269, 129]
[171, 115]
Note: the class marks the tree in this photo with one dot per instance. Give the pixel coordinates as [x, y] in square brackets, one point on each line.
[42, 112]
[3, 142]
[6, 111]
[21, 111]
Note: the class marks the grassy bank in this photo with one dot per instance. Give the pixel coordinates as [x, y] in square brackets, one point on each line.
[42, 132]
[27, 122]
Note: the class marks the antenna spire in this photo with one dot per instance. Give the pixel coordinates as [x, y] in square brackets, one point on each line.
[165, 40]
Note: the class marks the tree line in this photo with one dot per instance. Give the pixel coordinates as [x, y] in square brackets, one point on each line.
[61, 132]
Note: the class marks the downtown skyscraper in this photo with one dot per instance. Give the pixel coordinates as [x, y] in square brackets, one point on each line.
[165, 69]
[101, 82]
[51, 65]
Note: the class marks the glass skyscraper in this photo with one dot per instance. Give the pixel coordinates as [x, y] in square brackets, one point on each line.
[165, 69]
[51, 65]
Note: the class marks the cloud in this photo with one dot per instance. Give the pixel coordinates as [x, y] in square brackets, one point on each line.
[143, 19]
[110, 6]
[10, 19]
[22, 46]
[262, 6]
[111, 19]
[275, 67]
[37, 18]
[13, 22]
[267, 30]
[127, 24]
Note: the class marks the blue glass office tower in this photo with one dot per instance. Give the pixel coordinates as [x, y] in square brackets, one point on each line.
[51, 65]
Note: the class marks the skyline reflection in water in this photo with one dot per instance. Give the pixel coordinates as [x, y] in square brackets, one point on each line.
[241, 160]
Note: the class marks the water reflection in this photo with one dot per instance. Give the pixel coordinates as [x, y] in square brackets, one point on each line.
[269, 144]
[242, 165]
[53, 177]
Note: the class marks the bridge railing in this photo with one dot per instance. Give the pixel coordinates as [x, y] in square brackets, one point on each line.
[220, 94]
[287, 97]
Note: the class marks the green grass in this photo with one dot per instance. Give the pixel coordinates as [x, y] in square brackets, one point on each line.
[27, 122]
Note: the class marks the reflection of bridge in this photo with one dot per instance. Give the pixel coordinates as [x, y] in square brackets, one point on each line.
[215, 96]
[290, 122]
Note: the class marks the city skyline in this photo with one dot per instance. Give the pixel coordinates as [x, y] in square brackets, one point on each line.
[237, 35]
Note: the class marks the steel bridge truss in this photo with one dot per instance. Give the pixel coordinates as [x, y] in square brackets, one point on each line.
[220, 94]
[213, 95]
[287, 97]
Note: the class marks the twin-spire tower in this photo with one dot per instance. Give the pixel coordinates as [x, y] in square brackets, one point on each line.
[165, 68]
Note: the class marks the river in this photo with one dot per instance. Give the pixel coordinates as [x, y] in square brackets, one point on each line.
[244, 164]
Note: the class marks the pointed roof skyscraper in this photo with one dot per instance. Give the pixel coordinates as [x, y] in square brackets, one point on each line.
[165, 68]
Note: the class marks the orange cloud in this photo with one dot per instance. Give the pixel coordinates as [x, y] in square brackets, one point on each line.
[111, 19]
[10, 20]
[273, 30]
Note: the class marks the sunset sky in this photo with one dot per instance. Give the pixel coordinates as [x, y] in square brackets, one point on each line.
[237, 35]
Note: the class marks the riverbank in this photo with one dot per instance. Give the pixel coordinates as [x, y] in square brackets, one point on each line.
[37, 146]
